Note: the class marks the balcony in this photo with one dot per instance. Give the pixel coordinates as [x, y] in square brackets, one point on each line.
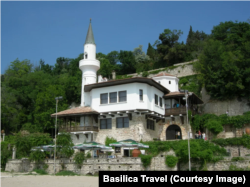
[179, 110]
[78, 128]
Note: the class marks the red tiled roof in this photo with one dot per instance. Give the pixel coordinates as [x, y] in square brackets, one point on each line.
[163, 74]
[173, 94]
[76, 111]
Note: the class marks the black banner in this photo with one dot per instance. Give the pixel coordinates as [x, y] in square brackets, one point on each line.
[161, 178]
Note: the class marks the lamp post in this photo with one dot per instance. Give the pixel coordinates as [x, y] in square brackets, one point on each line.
[186, 98]
[57, 99]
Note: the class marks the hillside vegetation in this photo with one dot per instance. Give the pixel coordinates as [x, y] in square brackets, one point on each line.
[28, 92]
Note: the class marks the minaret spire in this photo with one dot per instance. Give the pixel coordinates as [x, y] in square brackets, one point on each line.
[89, 66]
[90, 36]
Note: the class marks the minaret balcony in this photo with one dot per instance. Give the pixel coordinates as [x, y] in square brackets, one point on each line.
[89, 62]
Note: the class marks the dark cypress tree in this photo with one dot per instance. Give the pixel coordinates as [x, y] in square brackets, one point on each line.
[190, 37]
[150, 51]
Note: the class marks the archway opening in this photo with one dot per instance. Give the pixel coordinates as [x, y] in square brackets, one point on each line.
[173, 132]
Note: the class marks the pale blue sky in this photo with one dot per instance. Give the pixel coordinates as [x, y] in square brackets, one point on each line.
[48, 30]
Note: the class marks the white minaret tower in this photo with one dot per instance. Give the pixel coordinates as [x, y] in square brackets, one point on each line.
[89, 65]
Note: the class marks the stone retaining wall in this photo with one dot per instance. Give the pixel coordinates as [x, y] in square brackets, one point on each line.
[180, 70]
[92, 166]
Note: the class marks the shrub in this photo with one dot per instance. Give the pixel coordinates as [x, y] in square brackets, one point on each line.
[235, 168]
[37, 155]
[145, 74]
[66, 173]
[146, 159]
[65, 145]
[237, 159]
[171, 161]
[88, 155]
[79, 158]
[5, 154]
[40, 171]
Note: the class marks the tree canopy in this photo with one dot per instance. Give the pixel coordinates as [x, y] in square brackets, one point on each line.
[224, 62]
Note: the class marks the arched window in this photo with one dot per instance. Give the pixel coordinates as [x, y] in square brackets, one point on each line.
[86, 56]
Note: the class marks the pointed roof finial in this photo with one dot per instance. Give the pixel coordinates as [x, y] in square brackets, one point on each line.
[90, 36]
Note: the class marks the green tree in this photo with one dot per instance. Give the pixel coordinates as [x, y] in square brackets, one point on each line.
[194, 44]
[113, 57]
[65, 145]
[151, 51]
[127, 61]
[141, 59]
[106, 68]
[224, 64]
[169, 48]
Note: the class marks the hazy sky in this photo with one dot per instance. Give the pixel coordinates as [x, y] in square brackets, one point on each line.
[48, 30]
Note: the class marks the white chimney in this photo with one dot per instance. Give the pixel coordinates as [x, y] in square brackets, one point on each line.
[100, 78]
[113, 75]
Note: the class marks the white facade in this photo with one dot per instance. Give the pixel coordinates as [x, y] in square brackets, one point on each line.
[133, 100]
[170, 82]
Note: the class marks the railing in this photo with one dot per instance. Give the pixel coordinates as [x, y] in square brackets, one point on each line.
[179, 110]
[78, 128]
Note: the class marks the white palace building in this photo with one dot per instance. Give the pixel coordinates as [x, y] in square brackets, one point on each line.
[136, 108]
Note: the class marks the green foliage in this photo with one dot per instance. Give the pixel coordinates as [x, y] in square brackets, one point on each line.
[224, 62]
[106, 68]
[109, 140]
[123, 77]
[200, 150]
[79, 158]
[65, 145]
[88, 155]
[244, 141]
[145, 74]
[151, 51]
[235, 168]
[195, 43]
[37, 155]
[170, 50]
[40, 171]
[235, 159]
[215, 123]
[128, 64]
[5, 153]
[142, 60]
[214, 126]
[155, 71]
[24, 142]
[171, 161]
[190, 83]
[66, 173]
[113, 57]
[146, 159]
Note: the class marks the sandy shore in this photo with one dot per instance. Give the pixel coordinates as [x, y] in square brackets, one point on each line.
[21, 180]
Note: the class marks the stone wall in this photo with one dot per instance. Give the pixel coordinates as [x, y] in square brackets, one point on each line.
[91, 166]
[175, 121]
[94, 165]
[218, 166]
[137, 123]
[234, 107]
[180, 70]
